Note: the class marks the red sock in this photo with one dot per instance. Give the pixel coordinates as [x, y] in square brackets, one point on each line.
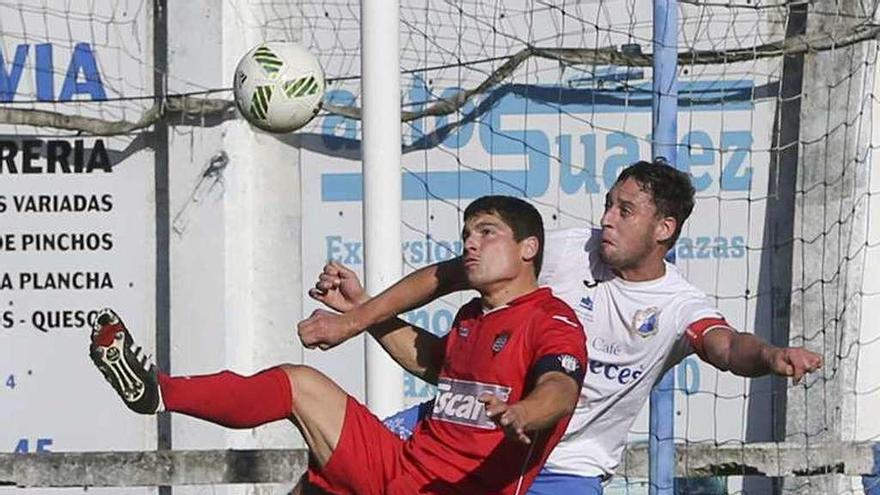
[229, 399]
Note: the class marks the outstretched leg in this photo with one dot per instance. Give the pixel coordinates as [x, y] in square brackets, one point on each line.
[299, 393]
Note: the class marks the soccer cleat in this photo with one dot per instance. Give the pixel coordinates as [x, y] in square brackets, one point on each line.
[130, 372]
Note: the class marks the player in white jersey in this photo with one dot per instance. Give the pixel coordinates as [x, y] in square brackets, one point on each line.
[641, 316]
[637, 332]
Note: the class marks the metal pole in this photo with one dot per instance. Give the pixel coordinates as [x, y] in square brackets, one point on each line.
[163, 220]
[663, 143]
[380, 92]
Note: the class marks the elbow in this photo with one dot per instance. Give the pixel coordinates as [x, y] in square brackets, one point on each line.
[719, 358]
[571, 404]
[450, 277]
[565, 408]
[570, 397]
[568, 409]
[723, 365]
[430, 376]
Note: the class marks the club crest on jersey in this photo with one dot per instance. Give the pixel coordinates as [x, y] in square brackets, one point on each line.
[463, 331]
[500, 342]
[645, 322]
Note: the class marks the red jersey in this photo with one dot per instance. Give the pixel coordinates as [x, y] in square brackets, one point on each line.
[458, 449]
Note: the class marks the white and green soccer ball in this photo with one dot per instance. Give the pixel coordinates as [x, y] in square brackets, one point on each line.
[279, 86]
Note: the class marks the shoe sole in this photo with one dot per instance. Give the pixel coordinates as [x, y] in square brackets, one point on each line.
[109, 340]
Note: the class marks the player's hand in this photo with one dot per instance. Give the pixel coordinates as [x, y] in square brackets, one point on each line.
[338, 288]
[793, 361]
[325, 330]
[509, 417]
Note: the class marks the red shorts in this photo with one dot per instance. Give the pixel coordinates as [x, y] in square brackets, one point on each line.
[367, 460]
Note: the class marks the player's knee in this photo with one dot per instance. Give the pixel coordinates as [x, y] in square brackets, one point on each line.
[299, 375]
[305, 382]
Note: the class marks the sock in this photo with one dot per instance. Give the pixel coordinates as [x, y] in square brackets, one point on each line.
[229, 399]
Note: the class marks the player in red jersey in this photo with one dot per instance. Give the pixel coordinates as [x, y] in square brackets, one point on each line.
[508, 376]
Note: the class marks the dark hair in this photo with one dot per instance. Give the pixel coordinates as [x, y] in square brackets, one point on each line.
[670, 188]
[522, 218]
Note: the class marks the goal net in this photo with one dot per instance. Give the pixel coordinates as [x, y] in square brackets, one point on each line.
[544, 100]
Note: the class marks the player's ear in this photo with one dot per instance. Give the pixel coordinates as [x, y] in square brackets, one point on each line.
[529, 248]
[665, 229]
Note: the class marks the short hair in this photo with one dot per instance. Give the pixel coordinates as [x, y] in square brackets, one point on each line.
[670, 189]
[522, 218]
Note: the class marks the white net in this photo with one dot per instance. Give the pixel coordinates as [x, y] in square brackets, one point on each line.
[543, 100]
[551, 100]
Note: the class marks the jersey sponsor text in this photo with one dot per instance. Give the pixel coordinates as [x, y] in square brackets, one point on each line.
[457, 402]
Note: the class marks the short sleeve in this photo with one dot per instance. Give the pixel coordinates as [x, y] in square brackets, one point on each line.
[559, 344]
[560, 245]
[694, 307]
[696, 331]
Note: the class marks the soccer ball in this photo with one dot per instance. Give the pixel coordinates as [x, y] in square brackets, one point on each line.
[279, 86]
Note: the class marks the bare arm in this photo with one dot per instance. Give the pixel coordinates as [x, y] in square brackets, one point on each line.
[414, 290]
[418, 351]
[747, 355]
[555, 395]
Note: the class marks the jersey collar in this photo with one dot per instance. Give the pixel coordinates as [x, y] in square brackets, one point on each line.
[537, 294]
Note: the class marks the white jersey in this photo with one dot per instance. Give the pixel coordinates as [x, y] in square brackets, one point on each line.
[635, 332]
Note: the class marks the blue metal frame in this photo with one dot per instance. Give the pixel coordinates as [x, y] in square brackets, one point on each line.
[664, 143]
